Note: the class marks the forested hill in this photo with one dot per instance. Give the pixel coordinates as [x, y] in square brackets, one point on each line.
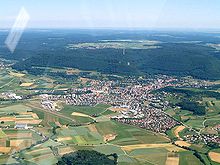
[171, 58]
[177, 53]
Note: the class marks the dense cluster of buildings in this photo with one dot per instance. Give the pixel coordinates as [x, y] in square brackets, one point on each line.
[49, 102]
[205, 138]
[153, 119]
[145, 110]
[11, 95]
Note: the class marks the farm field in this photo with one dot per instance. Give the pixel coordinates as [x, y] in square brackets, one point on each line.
[117, 44]
[122, 137]
[105, 136]
[214, 156]
[191, 123]
[186, 158]
[133, 145]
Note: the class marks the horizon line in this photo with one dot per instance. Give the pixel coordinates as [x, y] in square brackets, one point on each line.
[120, 28]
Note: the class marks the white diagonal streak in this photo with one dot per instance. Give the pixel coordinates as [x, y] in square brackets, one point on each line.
[17, 30]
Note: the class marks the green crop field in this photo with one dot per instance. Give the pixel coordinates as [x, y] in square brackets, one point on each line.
[82, 120]
[128, 134]
[2, 134]
[127, 160]
[108, 149]
[35, 152]
[80, 135]
[7, 159]
[195, 123]
[43, 159]
[151, 155]
[15, 108]
[186, 158]
[212, 121]
[85, 138]
[117, 44]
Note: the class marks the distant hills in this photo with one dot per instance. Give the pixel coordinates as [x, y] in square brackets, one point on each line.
[175, 57]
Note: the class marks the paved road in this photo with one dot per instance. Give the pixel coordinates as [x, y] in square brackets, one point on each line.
[51, 112]
[7, 83]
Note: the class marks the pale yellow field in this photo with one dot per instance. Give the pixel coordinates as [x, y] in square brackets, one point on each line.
[62, 89]
[81, 115]
[34, 115]
[117, 109]
[30, 121]
[18, 135]
[16, 74]
[34, 120]
[214, 156]
[5, 149]
[65, 150]
[16, 143]
[26, 84]
[79, 139]
[182, 143]
[64, 139]
[177, 130]
[170, 147]
[172, 161]
[7, 119]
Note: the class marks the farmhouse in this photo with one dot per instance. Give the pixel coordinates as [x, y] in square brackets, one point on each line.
[21, 126]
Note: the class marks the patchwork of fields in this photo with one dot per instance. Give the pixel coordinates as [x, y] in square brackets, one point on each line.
[45, 135]
[133, 145]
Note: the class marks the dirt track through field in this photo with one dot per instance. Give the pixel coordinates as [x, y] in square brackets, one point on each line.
[51, 112]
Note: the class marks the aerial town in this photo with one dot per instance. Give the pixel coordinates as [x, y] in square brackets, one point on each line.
[150, 103]
[135, 101]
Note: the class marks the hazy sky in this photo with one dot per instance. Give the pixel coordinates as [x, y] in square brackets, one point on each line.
[114, 13]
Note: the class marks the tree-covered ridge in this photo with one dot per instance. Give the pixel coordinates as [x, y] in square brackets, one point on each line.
[171, 58]
[87, 157]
